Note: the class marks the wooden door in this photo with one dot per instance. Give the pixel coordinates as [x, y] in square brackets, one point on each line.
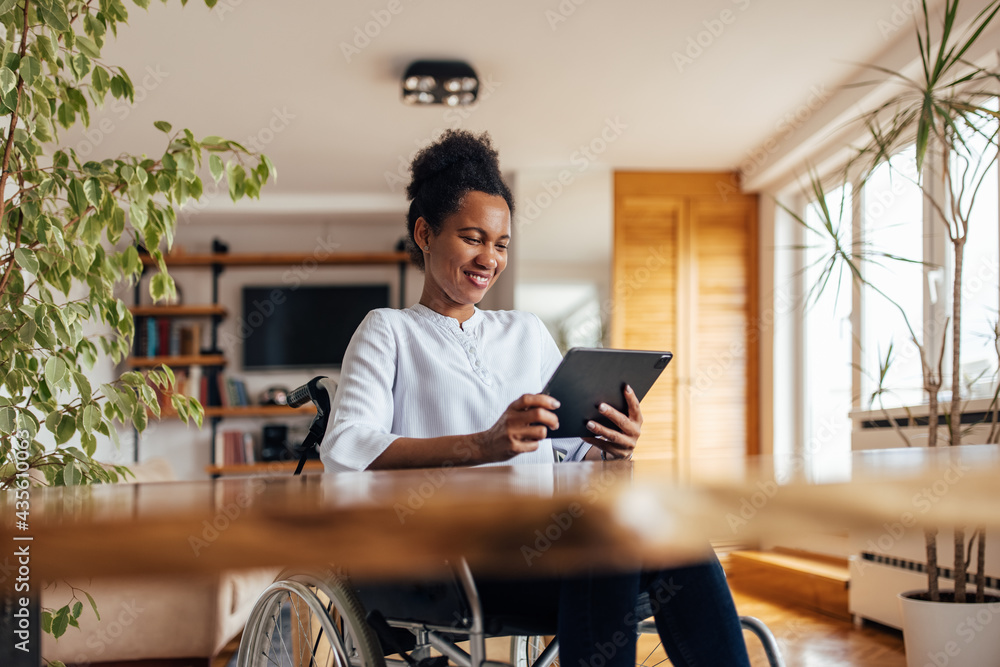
[685, 263]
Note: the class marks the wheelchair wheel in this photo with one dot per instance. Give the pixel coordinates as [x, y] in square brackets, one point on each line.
[308, 621]
[525, 650]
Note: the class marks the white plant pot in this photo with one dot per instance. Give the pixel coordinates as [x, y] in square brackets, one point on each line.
[940, 634]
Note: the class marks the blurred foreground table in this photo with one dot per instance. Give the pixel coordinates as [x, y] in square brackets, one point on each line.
[405, 523]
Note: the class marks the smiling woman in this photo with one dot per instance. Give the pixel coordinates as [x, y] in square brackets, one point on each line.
[444, 384]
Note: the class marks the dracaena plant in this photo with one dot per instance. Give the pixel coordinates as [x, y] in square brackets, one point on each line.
[949, 113]
[70, 229]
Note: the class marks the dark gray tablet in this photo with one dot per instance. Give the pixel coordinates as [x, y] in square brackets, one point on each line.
[588, 377]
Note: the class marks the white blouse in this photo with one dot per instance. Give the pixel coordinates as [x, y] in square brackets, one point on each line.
[417, 373]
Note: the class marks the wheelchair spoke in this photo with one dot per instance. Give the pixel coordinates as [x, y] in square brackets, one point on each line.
[645, 662]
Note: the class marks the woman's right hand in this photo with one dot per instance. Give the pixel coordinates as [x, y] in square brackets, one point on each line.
[519, 428]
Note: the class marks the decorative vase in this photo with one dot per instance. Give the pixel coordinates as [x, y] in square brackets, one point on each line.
[937, 634]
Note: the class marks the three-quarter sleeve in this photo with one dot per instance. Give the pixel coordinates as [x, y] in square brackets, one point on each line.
[575, 448]
[362, 409]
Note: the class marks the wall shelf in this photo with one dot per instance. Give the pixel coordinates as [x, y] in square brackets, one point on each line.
[203, 310]
[190, 360]
[237, 411]
[214, 360]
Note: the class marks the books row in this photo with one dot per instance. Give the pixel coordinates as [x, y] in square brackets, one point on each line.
[208, 385]
[164, 336]
[232, 447]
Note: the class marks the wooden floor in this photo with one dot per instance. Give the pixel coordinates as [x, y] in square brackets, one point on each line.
[810, 639]
[806, 638]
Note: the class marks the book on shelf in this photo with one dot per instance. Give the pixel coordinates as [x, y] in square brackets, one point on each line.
[234, 448]
[164, 336]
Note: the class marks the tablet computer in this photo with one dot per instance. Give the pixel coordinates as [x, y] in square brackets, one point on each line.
[588, 377]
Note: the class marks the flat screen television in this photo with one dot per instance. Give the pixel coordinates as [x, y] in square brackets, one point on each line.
[304, 327]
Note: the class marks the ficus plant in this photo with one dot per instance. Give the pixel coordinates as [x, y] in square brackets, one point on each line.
[71, 232]
[948, 113]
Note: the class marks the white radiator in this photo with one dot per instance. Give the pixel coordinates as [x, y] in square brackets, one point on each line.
[890, 560]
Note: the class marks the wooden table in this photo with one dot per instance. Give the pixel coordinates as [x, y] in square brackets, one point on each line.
[405, 523]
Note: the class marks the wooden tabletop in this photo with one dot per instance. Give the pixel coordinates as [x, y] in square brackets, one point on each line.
[552, 518]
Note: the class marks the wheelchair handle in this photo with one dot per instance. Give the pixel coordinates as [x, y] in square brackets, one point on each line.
[318, 394]
[301, 395]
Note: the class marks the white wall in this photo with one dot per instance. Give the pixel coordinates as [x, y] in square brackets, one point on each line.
[564, 232]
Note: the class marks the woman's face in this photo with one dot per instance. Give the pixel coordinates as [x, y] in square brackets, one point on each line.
[469, 253]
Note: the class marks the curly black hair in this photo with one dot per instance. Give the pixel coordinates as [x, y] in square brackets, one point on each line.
[443, 173]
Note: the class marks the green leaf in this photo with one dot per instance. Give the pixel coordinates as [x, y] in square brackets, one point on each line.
[77, 609]
[270, 166]
[61, 620]
[65, 430]
[27, 334]
[93, 605]
[47, 622]
[55, 371]
[87, 45]
[7, 419]
[29, 69]
[55, 16]
[91, 417]
[100, 80]
[163, 126]
[216, 167]
[161, 286]
[8, 80]
[92, 191]
[26, 259]
[6, 5]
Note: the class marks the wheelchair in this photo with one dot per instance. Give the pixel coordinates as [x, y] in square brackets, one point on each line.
[322, 619]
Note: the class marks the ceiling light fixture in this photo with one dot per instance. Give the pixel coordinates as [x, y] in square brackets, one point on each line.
[449, 82]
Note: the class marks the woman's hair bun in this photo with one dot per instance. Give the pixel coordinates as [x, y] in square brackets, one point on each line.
[443, 173]
[455, 150]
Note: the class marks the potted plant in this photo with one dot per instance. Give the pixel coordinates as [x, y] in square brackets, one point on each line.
[70, 229]
[949, 113]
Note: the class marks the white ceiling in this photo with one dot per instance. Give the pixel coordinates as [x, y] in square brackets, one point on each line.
[236, 69]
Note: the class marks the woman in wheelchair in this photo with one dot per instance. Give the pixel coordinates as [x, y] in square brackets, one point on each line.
[445, 383]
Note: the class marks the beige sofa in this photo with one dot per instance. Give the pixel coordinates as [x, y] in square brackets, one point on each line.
[154, 620]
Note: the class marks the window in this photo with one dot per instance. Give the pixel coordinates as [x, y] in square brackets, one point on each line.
[827, 329]
[893, 226]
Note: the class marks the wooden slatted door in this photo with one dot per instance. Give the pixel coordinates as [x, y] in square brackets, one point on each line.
[684, 280]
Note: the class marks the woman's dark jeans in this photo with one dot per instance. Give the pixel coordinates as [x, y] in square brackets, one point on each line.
[692, 606]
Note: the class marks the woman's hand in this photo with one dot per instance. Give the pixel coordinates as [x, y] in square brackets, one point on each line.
[621, 443]
[519, 428]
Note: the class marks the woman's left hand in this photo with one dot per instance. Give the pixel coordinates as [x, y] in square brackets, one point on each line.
[618, 444]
